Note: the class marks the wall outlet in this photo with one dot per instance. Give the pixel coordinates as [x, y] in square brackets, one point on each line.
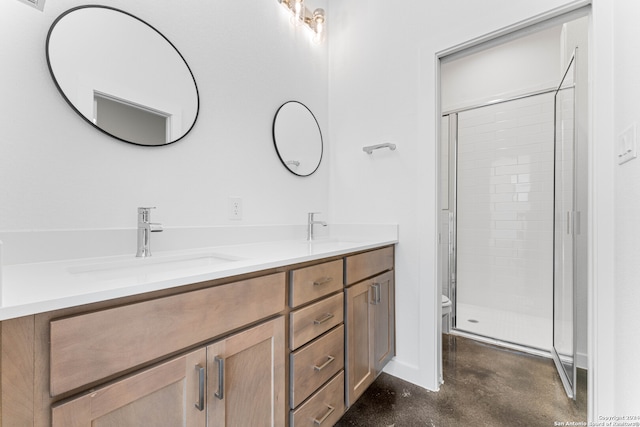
[235, 208]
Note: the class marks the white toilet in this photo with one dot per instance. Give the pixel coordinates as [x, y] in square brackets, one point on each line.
[446, 314]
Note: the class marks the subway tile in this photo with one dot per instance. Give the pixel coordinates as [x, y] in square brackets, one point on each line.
[509, 225]
[513, 170]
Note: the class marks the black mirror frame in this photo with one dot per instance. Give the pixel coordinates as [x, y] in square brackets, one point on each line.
[275, 143]
[62, 15]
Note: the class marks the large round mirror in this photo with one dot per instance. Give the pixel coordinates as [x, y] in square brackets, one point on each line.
[122, 75]
[297, 137]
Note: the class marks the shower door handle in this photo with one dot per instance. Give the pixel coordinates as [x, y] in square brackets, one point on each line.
[573, 222]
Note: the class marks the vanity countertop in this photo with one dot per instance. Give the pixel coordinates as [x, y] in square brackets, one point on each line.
[32, 288]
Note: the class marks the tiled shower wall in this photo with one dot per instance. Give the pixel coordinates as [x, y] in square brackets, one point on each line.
[505, 206]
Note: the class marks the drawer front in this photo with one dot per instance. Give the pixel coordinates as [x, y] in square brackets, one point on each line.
[314, 364]
[316, 319]
[93, 346]
[325, 408]
[311, 283]
[368, 264]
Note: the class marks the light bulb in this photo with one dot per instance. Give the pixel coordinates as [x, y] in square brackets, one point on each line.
[318, 25]
[298, 12]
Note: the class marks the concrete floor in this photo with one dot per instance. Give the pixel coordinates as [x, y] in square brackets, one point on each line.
[484, 385]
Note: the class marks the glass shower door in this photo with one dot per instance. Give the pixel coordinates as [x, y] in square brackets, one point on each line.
[566, 226]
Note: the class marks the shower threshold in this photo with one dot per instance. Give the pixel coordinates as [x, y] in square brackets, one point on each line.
[500, 343]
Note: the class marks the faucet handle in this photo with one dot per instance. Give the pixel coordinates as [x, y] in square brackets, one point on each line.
[144, 214]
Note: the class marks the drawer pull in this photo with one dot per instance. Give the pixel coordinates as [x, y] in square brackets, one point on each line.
[323, 319]
[324, 365]
[220, 393]
[201, 380]
[321, 420]
[323, 281]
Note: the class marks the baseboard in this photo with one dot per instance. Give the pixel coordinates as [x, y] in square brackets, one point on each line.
[407, 372]
[582, 361]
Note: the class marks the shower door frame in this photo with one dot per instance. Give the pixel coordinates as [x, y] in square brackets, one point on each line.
[453, 216]
[569, 380]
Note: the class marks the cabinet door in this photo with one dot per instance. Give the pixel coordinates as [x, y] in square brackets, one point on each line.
[383, 321]
[370, 324]
[167, 395]
[246, 377]
[360, 365]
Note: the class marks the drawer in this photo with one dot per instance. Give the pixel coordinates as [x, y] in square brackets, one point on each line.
[325, 408]
[313, 364]
[311, 283]
[368, 264]
[316, 319]
[89, 347]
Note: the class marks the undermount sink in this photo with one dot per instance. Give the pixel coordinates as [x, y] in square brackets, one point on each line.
[157, 264]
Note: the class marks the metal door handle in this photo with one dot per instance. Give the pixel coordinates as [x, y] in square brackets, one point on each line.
[376, 293]
[323, 319]
[322, 281]
[220, 393]
[324, 365]
[321, 420]
[201, 382]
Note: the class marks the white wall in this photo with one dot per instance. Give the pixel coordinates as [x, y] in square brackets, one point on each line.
[524, 65]
[382, 85]
[627, 205]
[58, 172]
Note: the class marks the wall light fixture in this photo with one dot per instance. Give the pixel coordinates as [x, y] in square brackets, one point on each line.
[300, 15]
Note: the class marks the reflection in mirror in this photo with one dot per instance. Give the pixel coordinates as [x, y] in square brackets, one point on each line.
[297, 138]
[122, 75]
[131, 122]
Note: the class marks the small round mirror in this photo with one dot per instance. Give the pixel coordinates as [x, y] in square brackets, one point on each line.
[122, 75]
[297, 138]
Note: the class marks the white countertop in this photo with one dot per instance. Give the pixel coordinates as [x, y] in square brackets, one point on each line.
[31, 288]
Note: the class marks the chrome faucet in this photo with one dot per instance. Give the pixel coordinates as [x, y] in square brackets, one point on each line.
[310, 223]
[145, 228]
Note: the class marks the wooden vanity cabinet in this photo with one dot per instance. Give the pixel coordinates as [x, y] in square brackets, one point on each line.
[148, 359]
[229, 352]
[370, 325]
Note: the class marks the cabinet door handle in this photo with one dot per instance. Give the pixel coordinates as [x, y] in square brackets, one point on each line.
[323, 319]
[325, 416]
[201, 382]
[378, 288]
[322, 281]
[376, 293]
[324, 365]
[220, 393]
